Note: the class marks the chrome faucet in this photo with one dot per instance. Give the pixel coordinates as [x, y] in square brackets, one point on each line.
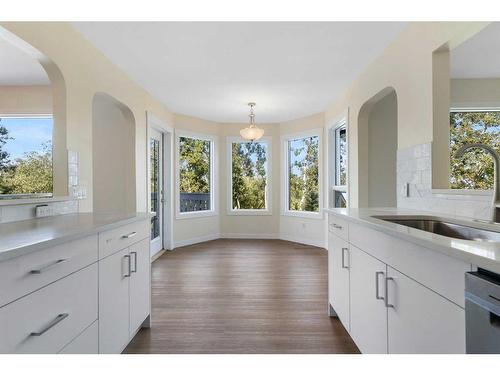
[495, 215]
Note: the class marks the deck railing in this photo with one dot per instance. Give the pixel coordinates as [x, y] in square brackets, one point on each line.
[194, 202]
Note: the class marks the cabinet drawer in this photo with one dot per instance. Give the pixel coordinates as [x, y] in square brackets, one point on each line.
[117, 239]
[338, 227]
[25, 274]
[86, 343]
[48, 319]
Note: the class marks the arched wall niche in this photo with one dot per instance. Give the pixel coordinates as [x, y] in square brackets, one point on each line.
[58, 88]
[377, 150]
[113, 156]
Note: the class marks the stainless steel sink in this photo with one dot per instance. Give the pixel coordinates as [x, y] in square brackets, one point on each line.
[444, 228]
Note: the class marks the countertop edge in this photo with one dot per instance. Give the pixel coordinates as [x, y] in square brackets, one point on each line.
[474, 259]
[69, 236]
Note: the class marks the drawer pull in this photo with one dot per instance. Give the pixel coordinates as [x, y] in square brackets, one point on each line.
[130, 235]
[56, 321]
[129, 262]
[336, 226]
[135, 261]
[43, 269]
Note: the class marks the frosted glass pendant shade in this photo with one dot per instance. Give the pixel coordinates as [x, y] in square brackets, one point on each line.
[252, 133]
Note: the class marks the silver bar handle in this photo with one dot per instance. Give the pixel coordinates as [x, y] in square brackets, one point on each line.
[135, 261]
[387, 304]
[344, 249]
[377, 285]
[129, 266]
[59, 318]
[130, 235]
[45, 268]
[336, 226]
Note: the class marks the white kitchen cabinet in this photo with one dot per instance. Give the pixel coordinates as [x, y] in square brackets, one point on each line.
[420, 320]
[368, 317]
[85, 343]
[140, 291]
[114, 303]
[338, 262]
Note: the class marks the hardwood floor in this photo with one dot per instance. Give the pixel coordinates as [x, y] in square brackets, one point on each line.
[241, 296]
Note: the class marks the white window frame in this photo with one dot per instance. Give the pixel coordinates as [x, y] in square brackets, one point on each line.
[268, 197]
[336, 126]
[285, 211]
[213, 175]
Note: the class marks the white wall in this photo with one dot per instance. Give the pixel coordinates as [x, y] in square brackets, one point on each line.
[382, 152]
[34, 100]
[113, 155]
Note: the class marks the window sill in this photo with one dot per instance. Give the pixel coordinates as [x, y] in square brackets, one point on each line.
[305, 214]
[41, 200]
[195, 214]
[249, 212]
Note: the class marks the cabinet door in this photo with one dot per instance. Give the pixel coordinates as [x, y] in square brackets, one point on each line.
[139, 284]
[368, 311]
[339, 271]
[114, 302]
[422, 321]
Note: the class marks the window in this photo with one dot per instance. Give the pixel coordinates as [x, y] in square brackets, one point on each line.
[302, 174]
[249, 176]
[338, 160]
[196, 175]
[26, 157]
[475, 169]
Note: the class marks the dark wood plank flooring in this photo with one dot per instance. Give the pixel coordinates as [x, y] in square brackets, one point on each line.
[241, 296]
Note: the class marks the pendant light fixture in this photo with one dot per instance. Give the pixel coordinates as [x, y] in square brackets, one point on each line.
[252, 133]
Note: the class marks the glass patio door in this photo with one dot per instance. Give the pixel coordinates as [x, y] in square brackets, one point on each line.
[156, 188]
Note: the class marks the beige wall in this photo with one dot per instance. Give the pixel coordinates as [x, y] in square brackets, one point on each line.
[406, 65]
[484, 92]
[86, 71]
[33, 100]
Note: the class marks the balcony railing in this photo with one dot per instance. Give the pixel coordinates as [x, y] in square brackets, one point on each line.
[194, 202]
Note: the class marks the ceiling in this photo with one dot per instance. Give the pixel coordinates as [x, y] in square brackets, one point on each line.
[211, 70]
[18, 68]
[479, 56]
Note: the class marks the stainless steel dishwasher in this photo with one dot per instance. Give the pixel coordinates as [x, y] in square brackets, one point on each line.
[482, 312]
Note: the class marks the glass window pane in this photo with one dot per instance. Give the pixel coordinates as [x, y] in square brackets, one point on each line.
[341, 157]
[475, 169]
[303, 173]
[194, 169]
[249, 175]
[25, 156]
[155, 187]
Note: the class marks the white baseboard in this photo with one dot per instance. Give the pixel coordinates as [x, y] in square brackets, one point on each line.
[195, 240]
[304, 241]
[257, 236]
[262, 236]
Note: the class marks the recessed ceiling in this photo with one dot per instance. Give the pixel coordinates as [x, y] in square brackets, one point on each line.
[17, 68]
[211, 70]
[479, 56]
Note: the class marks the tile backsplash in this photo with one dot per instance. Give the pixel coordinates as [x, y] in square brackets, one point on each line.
[18, 212]
[414, 166]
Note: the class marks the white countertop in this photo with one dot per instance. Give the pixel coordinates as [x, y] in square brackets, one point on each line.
[23, 237]
[482, 254]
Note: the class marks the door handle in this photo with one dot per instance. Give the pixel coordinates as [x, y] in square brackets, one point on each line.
[377, 285]
[129, 266]
[135, 261]
[387, 304]
[344, 249]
